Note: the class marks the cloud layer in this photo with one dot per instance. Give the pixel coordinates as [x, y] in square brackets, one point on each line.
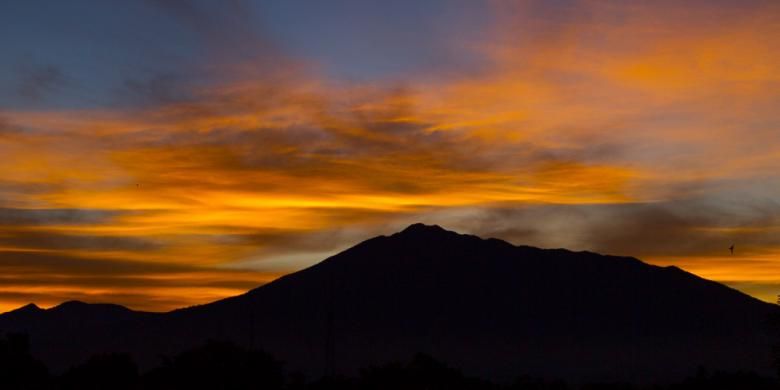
[627, 128]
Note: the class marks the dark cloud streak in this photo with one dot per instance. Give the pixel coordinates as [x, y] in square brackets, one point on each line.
[37, 217]
[23, 276]
[686, 227]
[47, 240]
[36, 81]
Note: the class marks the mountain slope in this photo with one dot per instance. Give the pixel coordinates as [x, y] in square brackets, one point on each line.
[486, 306]
[73, 331]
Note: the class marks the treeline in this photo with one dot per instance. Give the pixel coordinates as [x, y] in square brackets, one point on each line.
[225, 366]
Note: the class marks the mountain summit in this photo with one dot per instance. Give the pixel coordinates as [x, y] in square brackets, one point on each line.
[423, 229]
[483, 305]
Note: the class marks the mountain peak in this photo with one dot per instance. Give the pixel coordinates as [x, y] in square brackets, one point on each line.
[28, 308]
[421, 228]
[70, 304]
[79, 306]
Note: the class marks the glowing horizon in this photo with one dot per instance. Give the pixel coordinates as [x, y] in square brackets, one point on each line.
[617, 127]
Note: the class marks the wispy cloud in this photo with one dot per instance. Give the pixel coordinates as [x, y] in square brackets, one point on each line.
[627, 128]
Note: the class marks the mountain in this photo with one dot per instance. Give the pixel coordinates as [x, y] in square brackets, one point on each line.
[70, 333]
[491, 308]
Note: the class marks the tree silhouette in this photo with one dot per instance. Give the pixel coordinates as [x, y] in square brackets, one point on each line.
[532, 383]
[423, 372]
[727, 381]
[18, 369]
[217, 366]
[114, 371]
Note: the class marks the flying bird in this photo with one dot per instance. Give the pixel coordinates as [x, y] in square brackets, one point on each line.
[731, 248]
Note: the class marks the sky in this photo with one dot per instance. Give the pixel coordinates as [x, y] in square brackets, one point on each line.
[161, 153]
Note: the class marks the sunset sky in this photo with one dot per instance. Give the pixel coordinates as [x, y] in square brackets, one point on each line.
[163, 153]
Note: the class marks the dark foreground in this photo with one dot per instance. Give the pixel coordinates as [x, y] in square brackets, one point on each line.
[222, 365]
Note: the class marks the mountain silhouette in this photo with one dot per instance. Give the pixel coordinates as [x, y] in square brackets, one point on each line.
[483, 305]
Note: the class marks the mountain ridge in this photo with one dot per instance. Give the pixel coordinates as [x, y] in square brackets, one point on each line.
[414, 230]
[487, 306]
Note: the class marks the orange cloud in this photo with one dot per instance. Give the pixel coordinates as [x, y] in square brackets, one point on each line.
[603, 104]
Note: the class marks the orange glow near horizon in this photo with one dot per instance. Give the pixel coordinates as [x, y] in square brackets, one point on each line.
[590, 129]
